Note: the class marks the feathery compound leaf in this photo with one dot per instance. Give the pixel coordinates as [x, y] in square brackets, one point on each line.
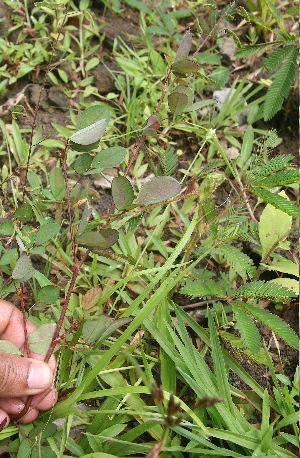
[248, 330]
[249, 51]
[239, 261]
[262, 290]
[284, 177]
[281, 85]
[277, 201]
[195, 288]
[273, 322]
[273, 61]
[169, 160]
[275, 164]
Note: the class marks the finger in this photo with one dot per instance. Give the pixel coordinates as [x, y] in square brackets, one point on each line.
[45, 401]
[4, 419]
[30, 416]
[12, 406]
[12, 324]
[23, 376]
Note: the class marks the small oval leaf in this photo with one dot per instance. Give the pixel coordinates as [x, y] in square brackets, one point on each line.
[24, 212]
[184, 47]
[46, 232]
[7, 228]
[90, 134]
[122, 192]
[177, 102]
[110, 157]
[49, 294]
[8, 347]
[57, 183]
[23, 270]
[101, 240]
[82, 163]
[40, 340]
[185, 67]
[158, 189]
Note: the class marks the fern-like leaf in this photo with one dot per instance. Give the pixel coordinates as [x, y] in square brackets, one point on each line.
[277, 201]
[168, 160]
[276, 324]
[281, 85]
[194, 288]
[239, 261]
[248, 51]
[274, 165]
[274, 60]
[284, 177]
[262, 290]
[248, 331]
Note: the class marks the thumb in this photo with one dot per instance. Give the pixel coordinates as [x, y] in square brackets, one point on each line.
[23, 376]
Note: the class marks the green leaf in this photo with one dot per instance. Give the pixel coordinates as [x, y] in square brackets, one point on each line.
[158, 189]
[46, 232]
[177, 102]
[249, 332]
[83, 163]
[7, 228]
[286, 267]
[273, 227]
[8, 347]
[185, 67]
[91, 298]
[49, 294]
[57, 184]
[277, 201]
[273, 322]
[184, 47]
[40, 340]
[289, 283]
[198, 288]
[110, 157]
[90, 134]
[274, 165]
[282, 178]
[239, 261]
[247, 147]
[85, 218]
[280, 88]
[23, 270]
[97, 330]
[169, 160]
[122, 192]
[101, 240]
[262, 290]
[24, 212]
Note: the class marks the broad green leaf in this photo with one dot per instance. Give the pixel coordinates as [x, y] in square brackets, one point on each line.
[122, 192]
[8, 347]
[46, 232]
[184, 47]
[24, 212]
[110, 157]
[90, 134]
[246, 147]
[85, 218]
[177, 102]
[7, 228]
[158, 189]
[49, 294]
[98, 240]
[40, 340]
[91, 298]
[274, 226]
[185, 67]
[57, 183]
[82, 163]
[23, 270]
[90, 116]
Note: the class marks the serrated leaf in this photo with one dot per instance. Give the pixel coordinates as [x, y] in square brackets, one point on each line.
[169, 160]
[49, 294]
[122, 192]
[282, 178]
[83, 163]
[90, 134]
[262, 290]
[177, 102]
[277, 201]
[248, 330]
[286, 267]
[97, 330]
[24, 212]
[274, 165]
[7, 228]
[8, 347]
[46, 232]
[273, 227]
[23, 270]
[101, 240]
[57, 183]
[110, 157]
[40, 340]
[91, 298]
[289, 283]
[158, 189]
[197, 288]
[239, 261]
[184, 47]
[185, 67]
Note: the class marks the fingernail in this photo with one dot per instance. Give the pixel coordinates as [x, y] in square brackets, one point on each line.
[39, 376]
[3, 422]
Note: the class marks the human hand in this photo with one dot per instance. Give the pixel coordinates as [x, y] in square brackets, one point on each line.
[22, 377]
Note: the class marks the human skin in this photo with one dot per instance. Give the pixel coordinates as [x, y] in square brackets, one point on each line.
[22, 377]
